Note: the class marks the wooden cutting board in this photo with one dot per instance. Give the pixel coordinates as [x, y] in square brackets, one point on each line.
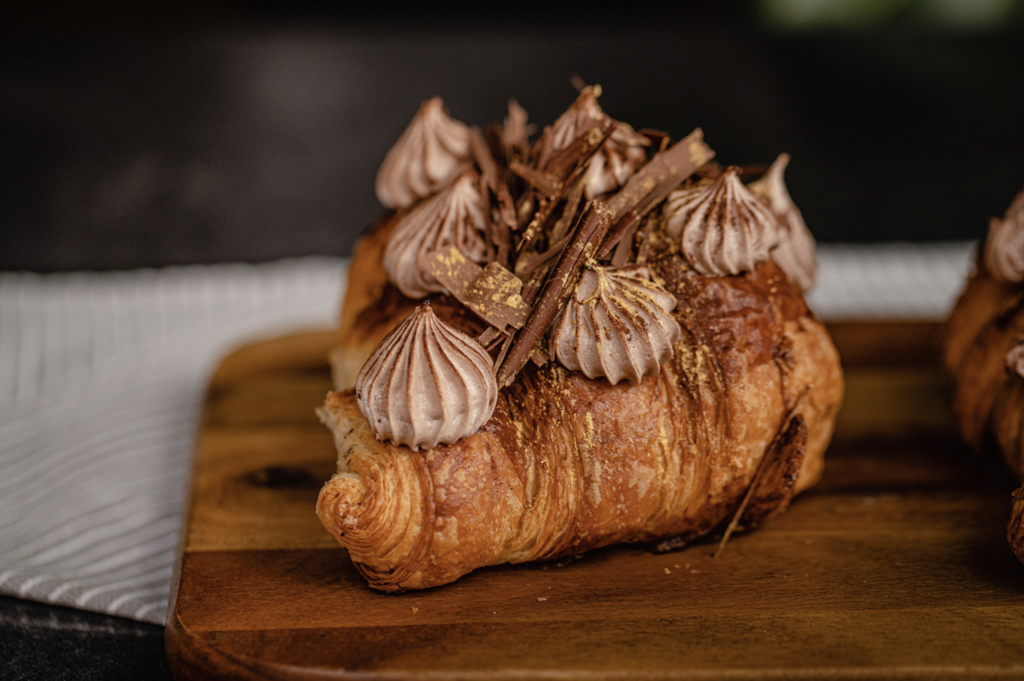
[894, 566]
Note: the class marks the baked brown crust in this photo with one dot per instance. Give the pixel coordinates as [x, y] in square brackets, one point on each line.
[988, 398]
[567, 464]
[1015, 530]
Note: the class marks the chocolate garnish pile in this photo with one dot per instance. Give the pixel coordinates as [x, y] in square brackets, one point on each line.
[507, 227]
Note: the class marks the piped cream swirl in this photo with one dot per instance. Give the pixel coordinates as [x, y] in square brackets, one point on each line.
[616, 161]
[454, 217]
[621, 155]
[1004, 248]
[724, 228]
[426, 383]
[616, 325]
[432, 151]
[796, 253]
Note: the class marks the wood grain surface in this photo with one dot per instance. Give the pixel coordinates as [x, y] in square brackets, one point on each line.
[894, 566]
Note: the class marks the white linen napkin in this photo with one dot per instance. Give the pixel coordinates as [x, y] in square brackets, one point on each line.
[101, 380]
[102, 377]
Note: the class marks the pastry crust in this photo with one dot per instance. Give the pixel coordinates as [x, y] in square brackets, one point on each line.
[567, 464]
[988, 398]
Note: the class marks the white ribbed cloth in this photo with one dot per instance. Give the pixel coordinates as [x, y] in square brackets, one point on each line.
[102, 376]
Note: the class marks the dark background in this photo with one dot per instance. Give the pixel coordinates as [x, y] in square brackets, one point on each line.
[197, 133]
[247, 132]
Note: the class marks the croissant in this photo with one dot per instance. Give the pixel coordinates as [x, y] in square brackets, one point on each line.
[983, 352]
[722, 429]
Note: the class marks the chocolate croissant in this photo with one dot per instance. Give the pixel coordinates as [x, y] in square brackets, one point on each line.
[984, 352]
[722, 415]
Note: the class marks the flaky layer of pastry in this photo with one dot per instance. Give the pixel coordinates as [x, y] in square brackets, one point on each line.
[988, 399]
[567, 464]
[1015, 530]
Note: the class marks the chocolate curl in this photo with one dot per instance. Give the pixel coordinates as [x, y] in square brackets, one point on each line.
[591, 230]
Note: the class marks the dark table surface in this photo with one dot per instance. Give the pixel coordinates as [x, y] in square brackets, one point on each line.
[147, 141]
[40, 641]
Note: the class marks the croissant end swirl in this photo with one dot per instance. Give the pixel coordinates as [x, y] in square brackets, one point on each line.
[566, 463]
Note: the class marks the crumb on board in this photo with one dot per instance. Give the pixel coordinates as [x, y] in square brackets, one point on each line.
[541, 599]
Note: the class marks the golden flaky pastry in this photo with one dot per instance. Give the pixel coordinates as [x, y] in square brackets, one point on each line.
[984, 351]
[733, 425]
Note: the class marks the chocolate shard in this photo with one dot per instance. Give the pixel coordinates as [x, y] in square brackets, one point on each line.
[495, 297]
[491, 292]
[489, 171]
[658, 138]
[569, 159]
[547, 185]
[454, 270]
[488, 336]
[663, 173]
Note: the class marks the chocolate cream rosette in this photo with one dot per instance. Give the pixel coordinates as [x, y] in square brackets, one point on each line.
[550, 346]
[984, 350]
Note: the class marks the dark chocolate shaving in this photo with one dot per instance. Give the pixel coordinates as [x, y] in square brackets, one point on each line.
[488, 336]
[660, 140]
[573, 157]
[532, 285]
[547, 185]
[529, 261]
[628, 222]
[752, 171]
[561, 170]
[624, 249]
[489, 171]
